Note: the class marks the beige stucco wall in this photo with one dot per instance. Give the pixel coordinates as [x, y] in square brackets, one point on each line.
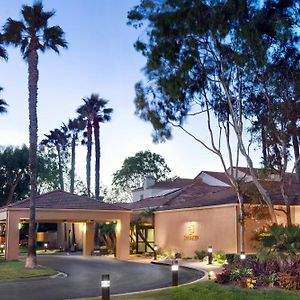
[214, 226]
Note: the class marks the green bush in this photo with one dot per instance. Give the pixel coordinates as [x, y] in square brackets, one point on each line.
[200, 254]
[240, 273]
[219, 257]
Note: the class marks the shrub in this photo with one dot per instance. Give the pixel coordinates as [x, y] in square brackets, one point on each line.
[200, 254]
[177, 255]
[231, 258]
[288, 281]
[223, 277]
[219, 257]
[267, 280]
[240, 273]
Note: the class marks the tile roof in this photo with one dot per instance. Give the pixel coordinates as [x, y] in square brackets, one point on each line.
[169, 184]
[65, 200]
[218, 175]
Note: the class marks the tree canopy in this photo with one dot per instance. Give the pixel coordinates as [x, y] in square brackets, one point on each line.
[136, 168]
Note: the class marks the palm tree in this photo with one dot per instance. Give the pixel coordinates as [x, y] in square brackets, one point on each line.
[74, 127]
[94, 112]
[86, 115]
[31, 34]
[3, 105]
[59, 139]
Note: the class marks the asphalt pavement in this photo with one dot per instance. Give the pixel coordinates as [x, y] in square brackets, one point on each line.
[84, 274]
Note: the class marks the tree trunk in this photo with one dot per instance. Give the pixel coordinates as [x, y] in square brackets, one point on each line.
[287, 204]
[60, 168]
[296, 155]
[13, 188]
[72, 186]
[31, 261]
[97, 158]
[88, 157]
[241, 221]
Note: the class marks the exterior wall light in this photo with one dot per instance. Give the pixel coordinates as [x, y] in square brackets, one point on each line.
[19, 226]
[2, 248]
[175, 269]
[210, 256]
[243, 255]
[105, 286]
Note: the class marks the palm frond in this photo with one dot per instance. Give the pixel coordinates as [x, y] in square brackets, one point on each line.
[54, 37]
[13, 32]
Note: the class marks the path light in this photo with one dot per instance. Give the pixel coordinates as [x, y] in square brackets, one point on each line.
[210, 256]
[105, 285]
[211, 275]
[45, 247]
[155, 252]
[2, 248]
[243, 255]
[175, 269]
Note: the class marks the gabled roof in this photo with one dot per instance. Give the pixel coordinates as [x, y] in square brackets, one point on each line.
[218, 175]
[65, 200]
[169, 184]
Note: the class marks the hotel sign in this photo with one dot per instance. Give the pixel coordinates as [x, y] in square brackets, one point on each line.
[191, 236]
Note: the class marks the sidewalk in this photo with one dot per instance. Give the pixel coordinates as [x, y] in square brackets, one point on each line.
[194, 264]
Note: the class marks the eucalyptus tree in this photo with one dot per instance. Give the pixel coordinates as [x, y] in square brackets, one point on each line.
[94, 111]
[200, 61]
[33, 34]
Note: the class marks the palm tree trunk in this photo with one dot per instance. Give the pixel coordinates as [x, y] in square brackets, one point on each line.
[97, 158]
[72, 187]
[60, 168]
[88, 157]
[31, 261]
[73, 184]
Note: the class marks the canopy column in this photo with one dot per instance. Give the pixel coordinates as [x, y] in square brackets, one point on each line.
[12, 236]
[123, 241]
[88, 238]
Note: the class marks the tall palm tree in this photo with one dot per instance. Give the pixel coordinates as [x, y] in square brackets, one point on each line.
[94, 112]
[3, 105]
[86, 115]
[59, 139]
[31, 34]
[74, 127]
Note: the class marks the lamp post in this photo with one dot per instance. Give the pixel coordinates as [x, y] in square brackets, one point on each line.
[105, 285]
[2, 248]
[210, 256]
[175, 269]
[45, 247]
[155, 252]
[243, 256]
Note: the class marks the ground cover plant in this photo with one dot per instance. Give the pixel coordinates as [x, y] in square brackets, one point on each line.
[16, 270]
[211, 291]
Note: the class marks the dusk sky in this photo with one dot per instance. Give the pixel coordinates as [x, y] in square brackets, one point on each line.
[100, 59]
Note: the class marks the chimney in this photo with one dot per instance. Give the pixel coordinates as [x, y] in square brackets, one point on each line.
[149, 181]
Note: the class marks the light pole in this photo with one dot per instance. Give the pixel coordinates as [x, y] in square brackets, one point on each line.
[175, 269]
[105, 286]
[155, 252]
[210, 256]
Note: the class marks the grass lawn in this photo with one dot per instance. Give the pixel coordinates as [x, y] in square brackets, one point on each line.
[16, 269]
[212, 291]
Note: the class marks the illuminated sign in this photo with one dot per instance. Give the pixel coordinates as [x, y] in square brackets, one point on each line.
[191, 236]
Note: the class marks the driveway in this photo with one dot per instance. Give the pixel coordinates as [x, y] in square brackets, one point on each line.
[84, 278]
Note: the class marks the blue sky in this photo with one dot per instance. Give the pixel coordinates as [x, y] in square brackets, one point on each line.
[100, 59]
